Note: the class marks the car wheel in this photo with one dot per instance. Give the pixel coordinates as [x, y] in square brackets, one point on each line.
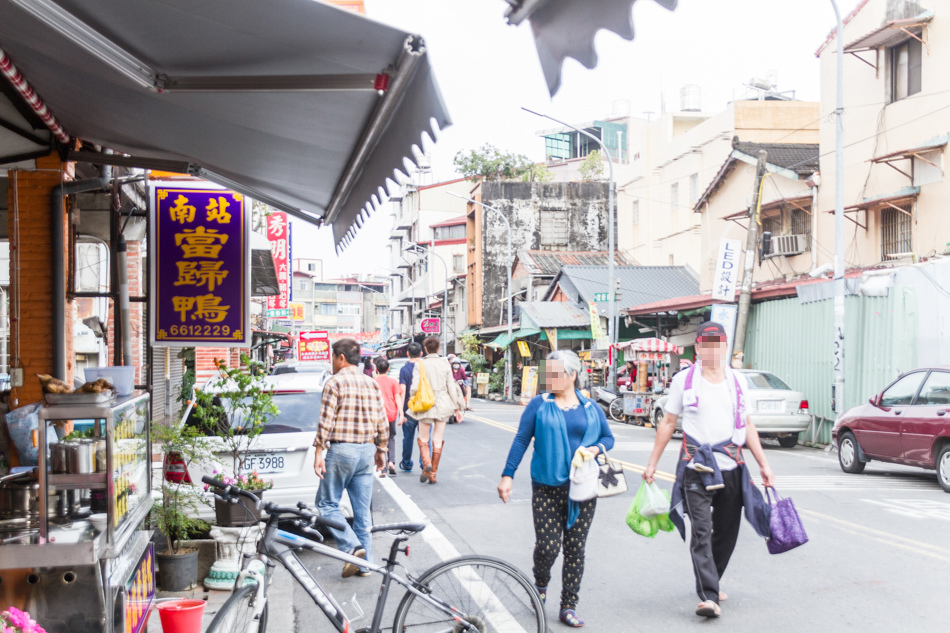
[848, 454]
[789, 441]
[943, 467]
[657, 418]
[616, 410]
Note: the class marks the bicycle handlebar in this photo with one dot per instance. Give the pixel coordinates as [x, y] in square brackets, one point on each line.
[228, 492]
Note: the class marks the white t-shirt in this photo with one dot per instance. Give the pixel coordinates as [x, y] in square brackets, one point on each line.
[714, 420]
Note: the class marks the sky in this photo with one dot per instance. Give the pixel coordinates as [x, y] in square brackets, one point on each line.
[487, 71]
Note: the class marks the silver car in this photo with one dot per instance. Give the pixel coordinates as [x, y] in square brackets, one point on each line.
[774, 408]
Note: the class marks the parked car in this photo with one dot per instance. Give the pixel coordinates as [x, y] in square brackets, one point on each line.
[396, 364]
[907, 423]
[284, 451]
[774, 408]
[301, 367]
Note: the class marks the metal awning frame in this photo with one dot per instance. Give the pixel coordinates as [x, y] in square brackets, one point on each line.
[909, 154]
[890, 34]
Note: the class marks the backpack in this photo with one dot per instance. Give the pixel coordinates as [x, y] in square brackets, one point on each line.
[424, 398]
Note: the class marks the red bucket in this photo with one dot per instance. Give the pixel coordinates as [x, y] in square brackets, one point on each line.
[181, 616]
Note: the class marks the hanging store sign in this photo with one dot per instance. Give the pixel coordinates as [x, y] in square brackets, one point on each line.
[431, 326]
[201, 277]
[727, 270]
[313, 346]
[296, 311]
[278, 234]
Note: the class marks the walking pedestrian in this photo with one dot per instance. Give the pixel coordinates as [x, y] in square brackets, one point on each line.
[712, 480]
[448, 402]
[368, 368]
[392, 398]
[410, 424]
[567, 428]
[461, 377]
[355, 433]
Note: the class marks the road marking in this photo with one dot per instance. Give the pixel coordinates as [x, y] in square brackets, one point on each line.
[495, 611]
[664, 476]
[914, 508]
[832, 483]
[895, 540]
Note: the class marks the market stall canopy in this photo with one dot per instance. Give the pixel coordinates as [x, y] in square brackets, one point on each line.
[298, 104]
[566, 28]
[650, 345]
[504, 341]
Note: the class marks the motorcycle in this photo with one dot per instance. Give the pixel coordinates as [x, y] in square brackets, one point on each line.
[611, 402]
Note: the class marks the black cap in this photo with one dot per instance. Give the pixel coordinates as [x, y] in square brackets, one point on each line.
[710, 328]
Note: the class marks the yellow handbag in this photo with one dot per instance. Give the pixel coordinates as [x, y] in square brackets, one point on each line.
[424, 398]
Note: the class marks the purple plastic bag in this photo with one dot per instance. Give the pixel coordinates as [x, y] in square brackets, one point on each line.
[787, 529]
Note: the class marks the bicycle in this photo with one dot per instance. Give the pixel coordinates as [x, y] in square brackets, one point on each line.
[471, 594]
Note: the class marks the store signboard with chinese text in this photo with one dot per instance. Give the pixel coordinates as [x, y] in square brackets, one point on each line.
[278, 234]
[726, 315]
[201, 277]
[727, 271]
[431, 326]
[296, 311]
[313, 346]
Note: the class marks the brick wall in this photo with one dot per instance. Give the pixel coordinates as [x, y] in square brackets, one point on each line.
[206, 357]
[137, 315]
[31, 286]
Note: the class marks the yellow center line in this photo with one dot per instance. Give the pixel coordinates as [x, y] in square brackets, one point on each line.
[664, 476]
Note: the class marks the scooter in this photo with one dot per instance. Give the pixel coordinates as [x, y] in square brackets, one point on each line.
[612, 403]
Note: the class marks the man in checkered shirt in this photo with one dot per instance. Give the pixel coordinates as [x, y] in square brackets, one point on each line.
[354, 430]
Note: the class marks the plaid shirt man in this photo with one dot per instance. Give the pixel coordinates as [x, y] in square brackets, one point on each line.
[352, 411]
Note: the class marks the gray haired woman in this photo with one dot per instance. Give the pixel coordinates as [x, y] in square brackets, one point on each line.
[565, 426]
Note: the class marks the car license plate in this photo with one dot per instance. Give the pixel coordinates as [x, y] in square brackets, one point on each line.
[264, 463]
[771, 406]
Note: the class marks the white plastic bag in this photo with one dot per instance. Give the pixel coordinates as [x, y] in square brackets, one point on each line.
[656, 502]
[584, 480]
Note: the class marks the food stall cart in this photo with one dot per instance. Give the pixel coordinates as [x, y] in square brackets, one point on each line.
[72, 570]
[652, 356]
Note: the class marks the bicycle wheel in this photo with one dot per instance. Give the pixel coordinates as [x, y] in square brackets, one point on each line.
[485, 592]
[237, 614]
[616, 410]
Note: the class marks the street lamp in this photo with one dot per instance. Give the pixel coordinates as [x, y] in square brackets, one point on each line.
[838, 399]
[612, 333]
[418, 250]
[508, 359]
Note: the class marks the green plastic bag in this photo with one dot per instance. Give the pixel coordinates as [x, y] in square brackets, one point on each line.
[647, 526]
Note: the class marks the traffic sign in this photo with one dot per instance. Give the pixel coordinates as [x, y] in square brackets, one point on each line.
[602, 296]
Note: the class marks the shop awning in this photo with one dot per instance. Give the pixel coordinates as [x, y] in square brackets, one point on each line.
[503, 341]
[298, 104]
[650, 345]
[566, 28]
[563, 335]
[890, 33]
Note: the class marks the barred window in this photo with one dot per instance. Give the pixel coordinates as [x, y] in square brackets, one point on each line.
[554, 229]
[895, 230]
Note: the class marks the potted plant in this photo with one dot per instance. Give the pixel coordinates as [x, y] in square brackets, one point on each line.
[233, 408]
[240, 514]
[175, 514]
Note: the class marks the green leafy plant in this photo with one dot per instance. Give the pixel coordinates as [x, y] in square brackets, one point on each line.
[592, 168]
[175, 513]
[496, 384]
[537, 172]
[234, 407]
[490, 163]
[79, 434]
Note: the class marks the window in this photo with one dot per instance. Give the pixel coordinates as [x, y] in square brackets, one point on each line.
[456, 232]
[328, 309]
[554, 230]
[311, 267]
[348, 308]
[694, 188]
[905, 62]
[936, 390]
[675, 196]
[895, 231]
[636, 212]
[382, 311]
[458, 263]
[902, 391]
[308, 312]
[302, 284]
[764, 380]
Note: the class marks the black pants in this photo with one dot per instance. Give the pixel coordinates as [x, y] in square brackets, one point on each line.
[714, 518]
[549, 507]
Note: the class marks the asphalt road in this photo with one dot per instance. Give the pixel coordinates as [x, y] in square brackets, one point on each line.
[877, 559]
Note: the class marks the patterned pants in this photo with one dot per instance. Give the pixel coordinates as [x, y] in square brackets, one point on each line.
[549, 507]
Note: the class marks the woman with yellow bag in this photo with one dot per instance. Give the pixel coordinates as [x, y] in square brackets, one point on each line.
[435, 397]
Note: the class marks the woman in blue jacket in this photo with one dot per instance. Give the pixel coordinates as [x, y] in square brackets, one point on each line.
[565, 427]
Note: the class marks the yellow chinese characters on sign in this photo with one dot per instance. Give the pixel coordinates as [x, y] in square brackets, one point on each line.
[296, 311]
[524, 349]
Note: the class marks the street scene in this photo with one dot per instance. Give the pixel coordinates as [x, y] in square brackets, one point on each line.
[511, 316]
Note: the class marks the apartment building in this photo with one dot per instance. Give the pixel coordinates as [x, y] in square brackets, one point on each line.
[351, 305]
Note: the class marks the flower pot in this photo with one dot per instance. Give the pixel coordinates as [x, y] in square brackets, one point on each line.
[178, 572]
[238, 514]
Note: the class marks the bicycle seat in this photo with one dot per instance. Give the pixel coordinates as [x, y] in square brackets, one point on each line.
[408, 526]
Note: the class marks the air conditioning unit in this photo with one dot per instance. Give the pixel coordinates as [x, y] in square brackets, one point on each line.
[789, 244]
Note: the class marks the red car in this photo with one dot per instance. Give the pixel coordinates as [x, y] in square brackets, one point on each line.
[907, 423]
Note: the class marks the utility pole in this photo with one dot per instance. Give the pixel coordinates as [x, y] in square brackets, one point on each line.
[752, 240]
[837, 393]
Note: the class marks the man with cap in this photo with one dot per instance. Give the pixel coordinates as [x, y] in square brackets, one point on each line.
[713, 484]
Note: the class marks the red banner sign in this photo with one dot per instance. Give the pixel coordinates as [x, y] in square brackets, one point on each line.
[278, 234]
[313, 346]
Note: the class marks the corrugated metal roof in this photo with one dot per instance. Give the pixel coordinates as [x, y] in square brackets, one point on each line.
[638, 284]
[550, 262]
[554, 314]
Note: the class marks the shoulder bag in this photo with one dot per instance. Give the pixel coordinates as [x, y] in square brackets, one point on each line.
[611, 480]
[424, 398]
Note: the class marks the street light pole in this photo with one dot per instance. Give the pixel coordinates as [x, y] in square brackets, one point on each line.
[445, 298]
[510, 261]
[612, 333]
[837, 394]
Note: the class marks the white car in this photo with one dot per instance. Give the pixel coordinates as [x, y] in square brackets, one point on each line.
[774, 408]
[283, 452]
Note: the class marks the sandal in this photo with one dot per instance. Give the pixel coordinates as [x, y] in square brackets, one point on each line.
[543, 592]
[722, 596]
[708, 609]
[569, 617]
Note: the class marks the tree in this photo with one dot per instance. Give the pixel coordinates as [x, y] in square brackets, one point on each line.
[490, 163]
[592, 168]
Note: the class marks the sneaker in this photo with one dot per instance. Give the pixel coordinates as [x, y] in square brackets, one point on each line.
[349, 569]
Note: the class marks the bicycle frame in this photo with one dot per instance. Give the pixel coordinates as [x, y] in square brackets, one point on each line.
[281, 545]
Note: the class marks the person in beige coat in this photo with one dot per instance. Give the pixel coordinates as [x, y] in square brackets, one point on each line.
[449, 401]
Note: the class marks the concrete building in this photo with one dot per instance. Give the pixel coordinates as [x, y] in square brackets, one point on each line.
[555, 216]
[352, 305]
[533, 271]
